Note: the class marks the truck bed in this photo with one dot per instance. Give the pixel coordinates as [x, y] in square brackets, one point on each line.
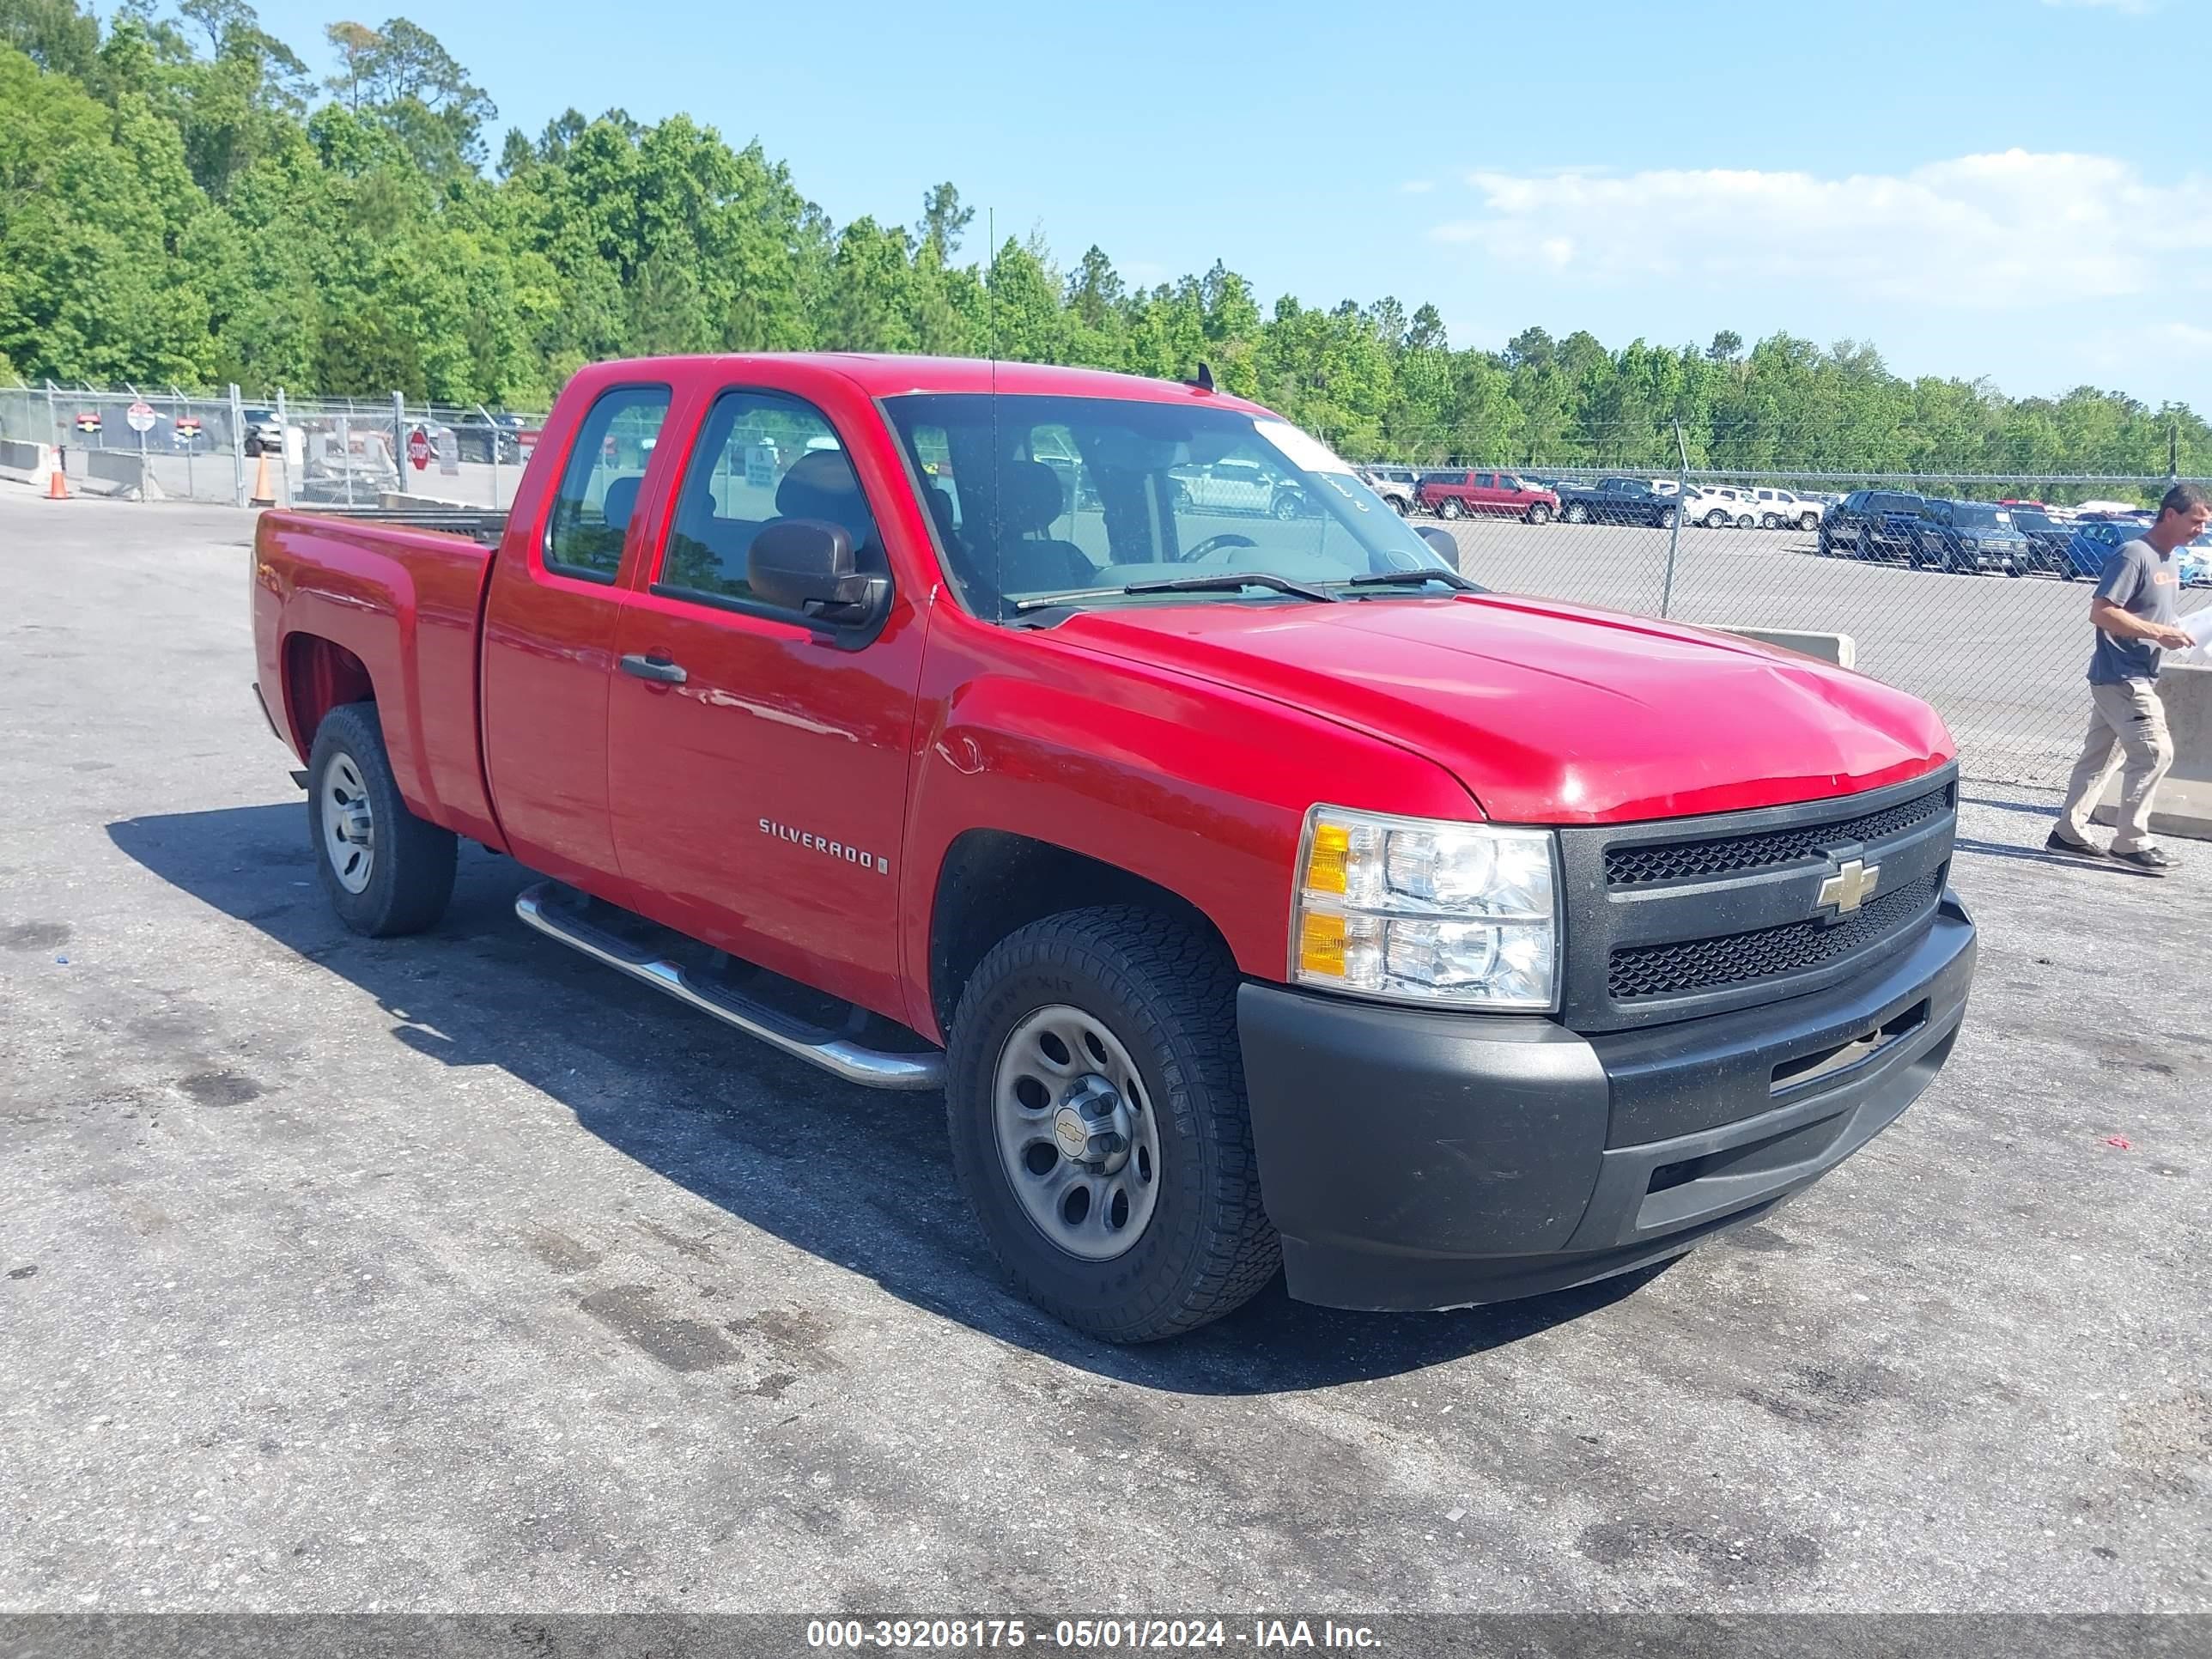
[345, 601]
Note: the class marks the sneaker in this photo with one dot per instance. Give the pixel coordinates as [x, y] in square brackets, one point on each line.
[2151, 859]
[2080, 849]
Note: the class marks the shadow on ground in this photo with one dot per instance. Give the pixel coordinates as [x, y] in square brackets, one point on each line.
[850, 1174]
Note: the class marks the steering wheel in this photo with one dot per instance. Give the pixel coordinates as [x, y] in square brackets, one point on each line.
[1220, 544]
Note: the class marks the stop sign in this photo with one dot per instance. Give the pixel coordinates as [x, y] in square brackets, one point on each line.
[141, 416]
[418, 448]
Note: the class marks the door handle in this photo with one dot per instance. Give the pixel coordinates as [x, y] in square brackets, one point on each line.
[655, 668]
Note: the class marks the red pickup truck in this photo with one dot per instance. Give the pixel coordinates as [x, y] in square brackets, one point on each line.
[1258, 891]
[1458, 493]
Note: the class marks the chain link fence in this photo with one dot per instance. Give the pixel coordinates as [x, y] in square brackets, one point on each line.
[1956, 587]
[151, 445]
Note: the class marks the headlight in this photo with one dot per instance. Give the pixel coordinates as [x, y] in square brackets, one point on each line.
[1420, 910]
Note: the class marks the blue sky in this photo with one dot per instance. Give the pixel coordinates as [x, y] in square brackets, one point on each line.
[2014, 188]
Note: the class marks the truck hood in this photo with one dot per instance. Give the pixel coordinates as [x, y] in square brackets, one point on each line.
[1550, 713]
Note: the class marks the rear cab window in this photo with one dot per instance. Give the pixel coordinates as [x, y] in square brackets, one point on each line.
[600, 484]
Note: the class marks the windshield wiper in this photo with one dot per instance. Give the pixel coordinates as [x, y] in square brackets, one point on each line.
[1411, 578]
[1226, 582]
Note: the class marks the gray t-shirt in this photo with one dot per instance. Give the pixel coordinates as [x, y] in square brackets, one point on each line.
[2143, 582]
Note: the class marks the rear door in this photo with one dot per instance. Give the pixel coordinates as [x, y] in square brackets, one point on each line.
[549, 639]
[757, 761]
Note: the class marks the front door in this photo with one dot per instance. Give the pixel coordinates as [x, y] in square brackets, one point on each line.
[757, 769]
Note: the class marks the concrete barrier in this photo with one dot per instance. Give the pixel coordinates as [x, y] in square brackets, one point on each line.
[127, 474]
[32, 463]
[2183, 806]
[1840, 649]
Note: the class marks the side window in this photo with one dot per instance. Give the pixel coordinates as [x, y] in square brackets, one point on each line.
[762, 456]
[598, 489]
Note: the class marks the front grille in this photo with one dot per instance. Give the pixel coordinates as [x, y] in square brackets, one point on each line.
[1739, 959]
[1634, 864]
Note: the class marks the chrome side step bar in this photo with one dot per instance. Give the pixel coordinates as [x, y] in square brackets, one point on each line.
[874, 1068]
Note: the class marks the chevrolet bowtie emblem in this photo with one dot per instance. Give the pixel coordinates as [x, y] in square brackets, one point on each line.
[1852, 886]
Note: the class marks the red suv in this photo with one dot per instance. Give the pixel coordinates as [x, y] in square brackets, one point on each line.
[1457, 495]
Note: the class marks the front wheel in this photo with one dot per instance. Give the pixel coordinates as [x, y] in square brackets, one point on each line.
[1769, 521]
[385, 871]
[1716, 520]
[1095, 1094]
[1539, 513]
[1808, 522]
[1287, 506]
[1398, 505]
[1666, 517]
[1576, 513]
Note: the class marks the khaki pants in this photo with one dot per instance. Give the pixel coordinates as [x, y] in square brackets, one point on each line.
[2127, 720]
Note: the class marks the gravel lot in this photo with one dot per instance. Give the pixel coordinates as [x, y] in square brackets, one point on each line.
[455, 1272]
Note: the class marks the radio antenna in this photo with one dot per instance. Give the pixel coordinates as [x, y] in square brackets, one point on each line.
[998, 467]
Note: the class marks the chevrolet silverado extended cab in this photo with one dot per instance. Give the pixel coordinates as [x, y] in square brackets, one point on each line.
[1258, 893]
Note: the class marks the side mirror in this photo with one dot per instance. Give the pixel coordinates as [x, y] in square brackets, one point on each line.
[1441, 539]
[806, 565]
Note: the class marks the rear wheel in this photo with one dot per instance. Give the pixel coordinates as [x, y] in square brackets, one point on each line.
[1539, 513]
[383, 870]
[1666, 517]
[1808, 522]
[1289, 505]
[1576, 514]
[1449, 508]
[1769, 521]
[1095, 1101]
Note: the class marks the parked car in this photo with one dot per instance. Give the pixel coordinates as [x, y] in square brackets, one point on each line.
[2091, 544]
[478, 439]
[263, 433]
[1238, 486]
[1717, 507]
[1394, 484]
[1874, 524]
[2047, 536]
[1617, 501]
[1055, 834]
[2194, 563]
[1784, 509]
[1459, 494]
[1967, 537]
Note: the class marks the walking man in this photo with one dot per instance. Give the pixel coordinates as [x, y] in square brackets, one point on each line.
[2133, 612]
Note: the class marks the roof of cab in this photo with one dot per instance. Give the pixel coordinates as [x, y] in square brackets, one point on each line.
[882, 374]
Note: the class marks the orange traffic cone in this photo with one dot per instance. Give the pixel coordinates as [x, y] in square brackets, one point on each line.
[56, 485]
[263, 495]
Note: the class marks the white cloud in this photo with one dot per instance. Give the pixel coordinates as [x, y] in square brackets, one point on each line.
[1418, 186]
[2011, 230]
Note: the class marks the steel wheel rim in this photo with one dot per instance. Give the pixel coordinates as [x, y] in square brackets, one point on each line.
[349, 824]
[1061, 1064]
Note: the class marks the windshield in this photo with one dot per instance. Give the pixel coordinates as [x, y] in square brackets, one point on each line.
[1971, 512]
[1032, 496]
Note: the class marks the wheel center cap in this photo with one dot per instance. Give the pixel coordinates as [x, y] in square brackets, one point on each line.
[1092, 1126]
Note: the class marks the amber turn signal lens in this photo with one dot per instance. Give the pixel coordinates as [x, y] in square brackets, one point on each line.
[1321, 945]
[1327, 861]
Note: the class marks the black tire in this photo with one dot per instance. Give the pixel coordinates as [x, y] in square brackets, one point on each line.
[1398, 505]
[1716, 520]
[1449, 508]
[1576, 514]
[1169, 996]
[1666, 518]
[1769, 521]
[1539, 513]
[1809, 522]
[410, 877]
[1289, 505]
